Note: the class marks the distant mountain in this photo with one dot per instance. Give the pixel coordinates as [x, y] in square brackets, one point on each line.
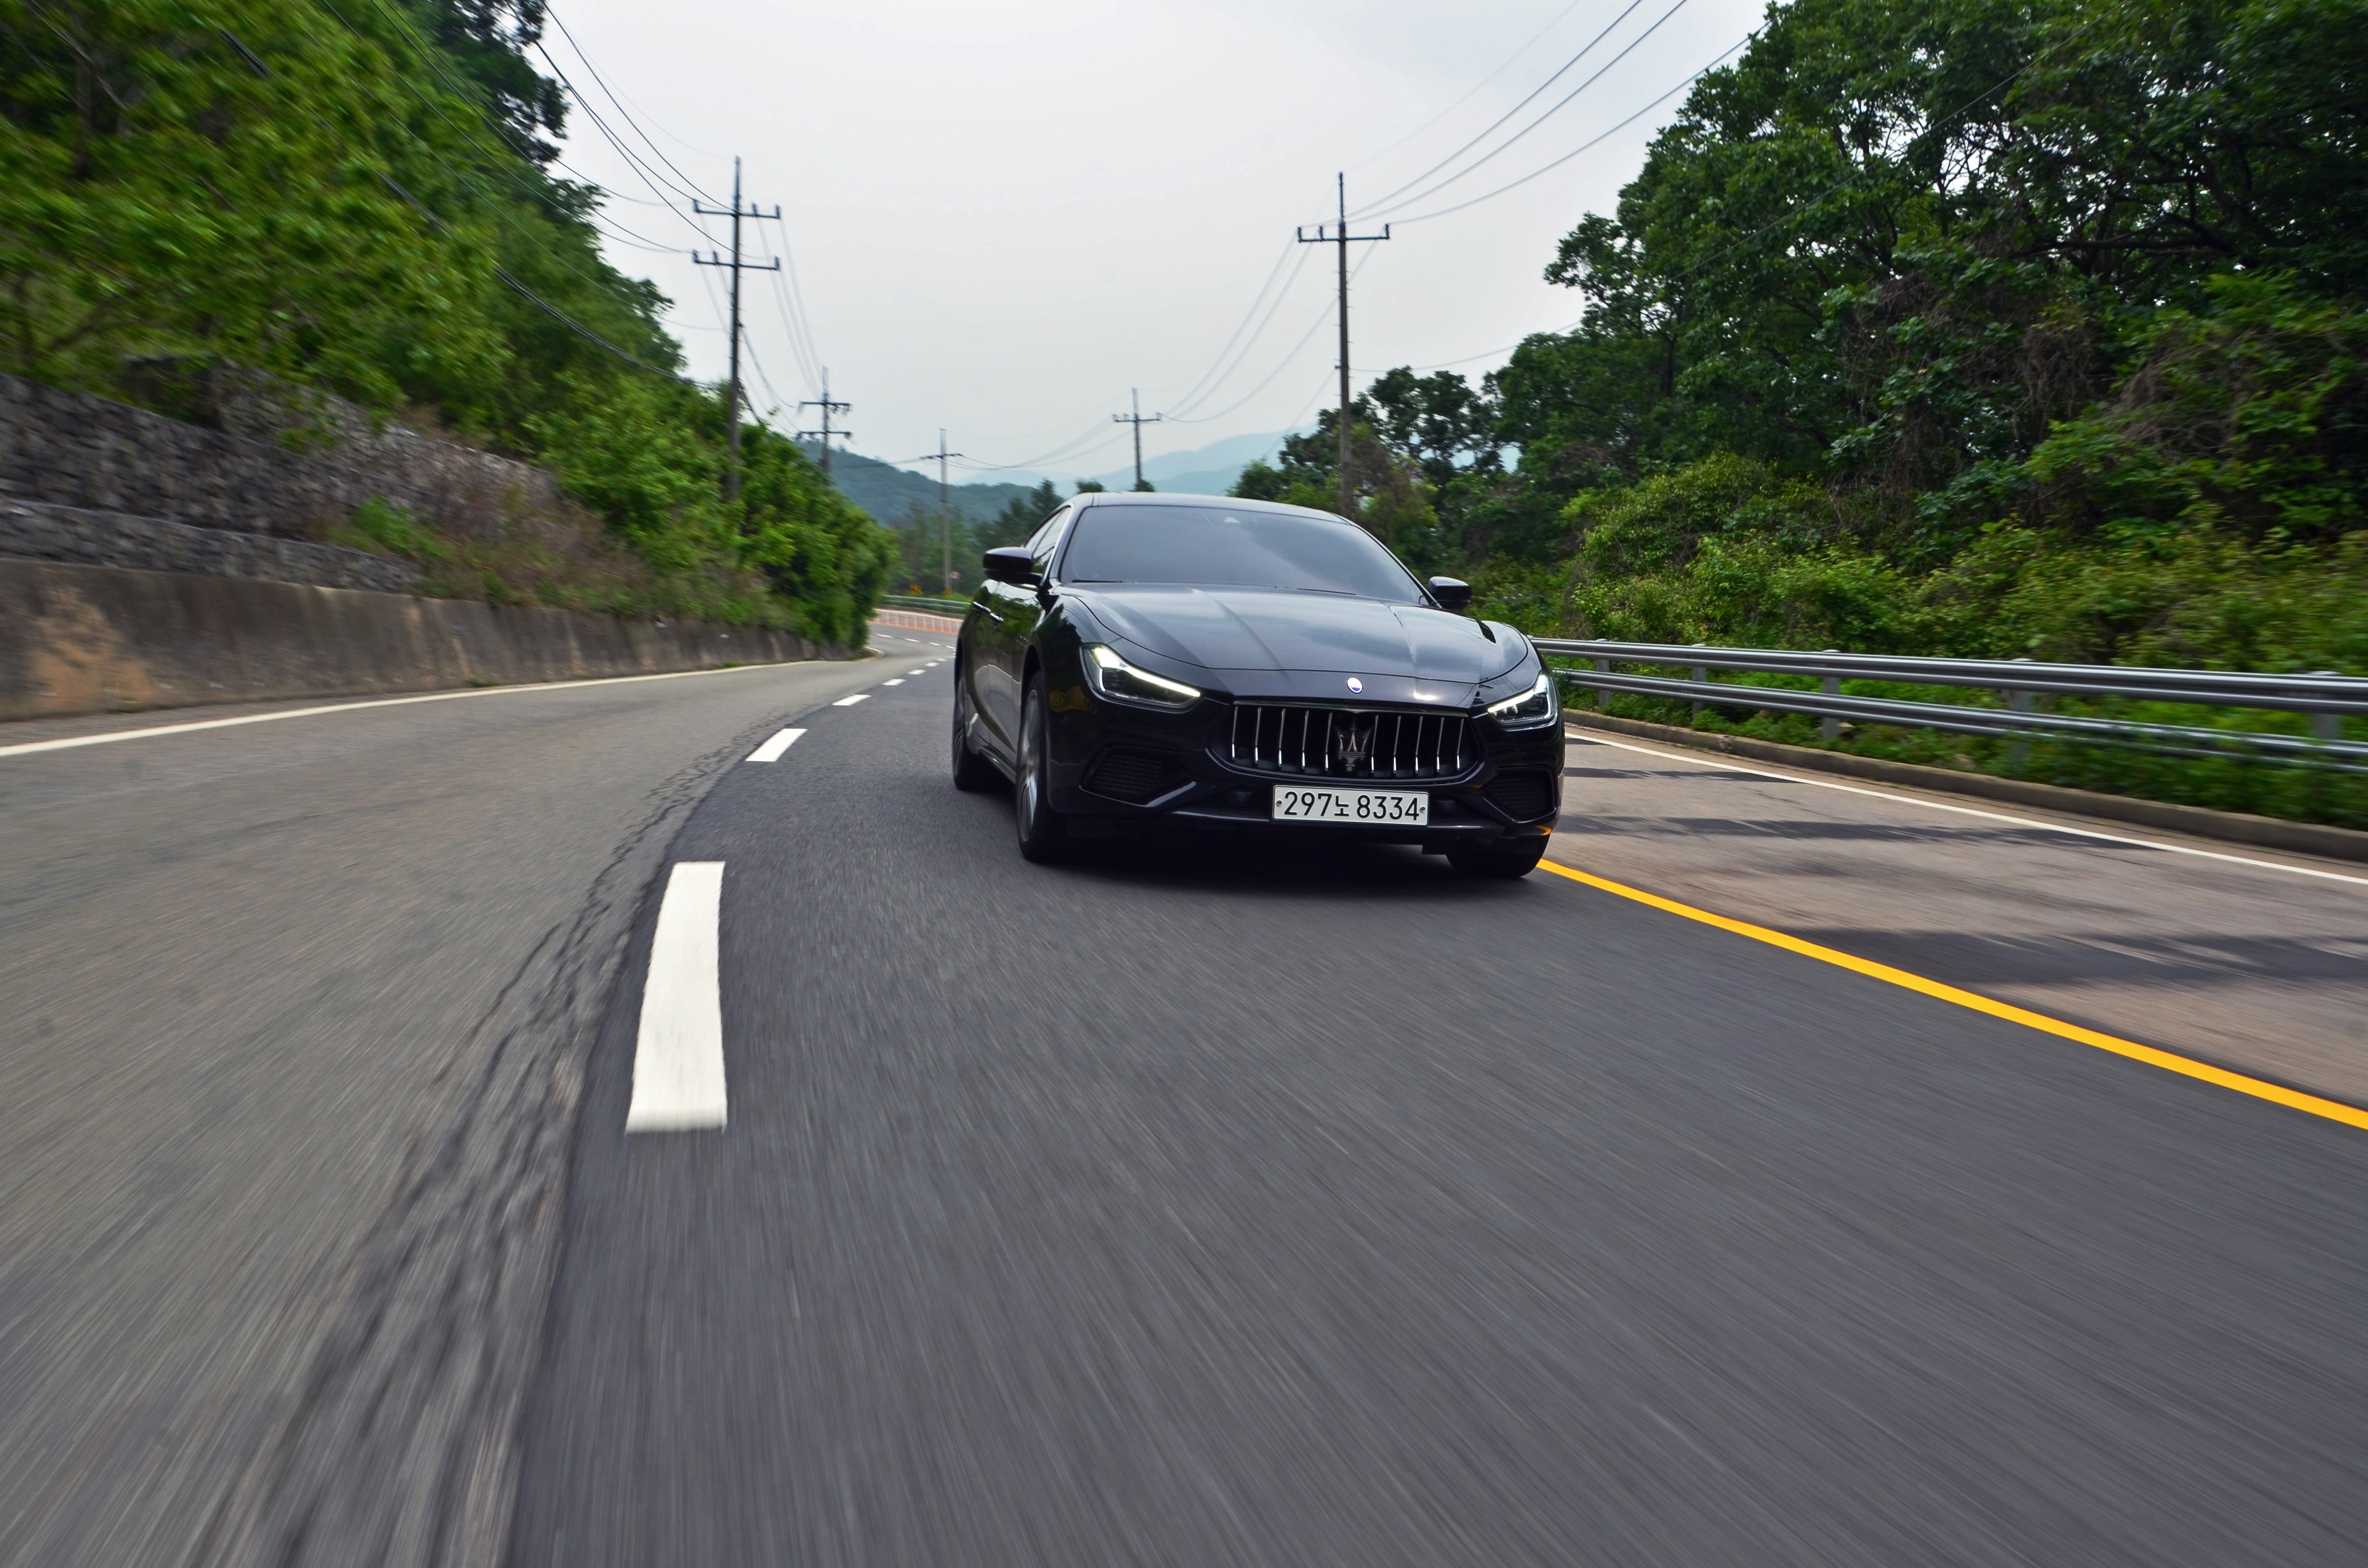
[1204, 471]
[889, 494]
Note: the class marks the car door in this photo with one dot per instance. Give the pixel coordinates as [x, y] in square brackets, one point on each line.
[1007, 616]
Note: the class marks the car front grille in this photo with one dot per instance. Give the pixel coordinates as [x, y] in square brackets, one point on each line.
[1521, 793]
[1346, 742]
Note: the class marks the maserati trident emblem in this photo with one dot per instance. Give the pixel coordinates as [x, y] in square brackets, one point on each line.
[1356, 685]
[1353, 744]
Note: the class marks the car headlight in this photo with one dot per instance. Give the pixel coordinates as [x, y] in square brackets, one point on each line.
[1534, 708]
[1117, 681]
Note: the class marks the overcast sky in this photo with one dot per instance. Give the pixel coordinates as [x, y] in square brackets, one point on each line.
[1003, 217]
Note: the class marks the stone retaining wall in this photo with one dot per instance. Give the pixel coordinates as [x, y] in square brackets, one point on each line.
[78, 639]
[37, 531]
[72, 449]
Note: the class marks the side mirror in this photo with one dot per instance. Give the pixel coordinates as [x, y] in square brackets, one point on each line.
[1452, 593]
[1010, 564]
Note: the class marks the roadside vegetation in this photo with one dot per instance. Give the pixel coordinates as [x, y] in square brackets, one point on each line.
[1998, 328]
[359, 198]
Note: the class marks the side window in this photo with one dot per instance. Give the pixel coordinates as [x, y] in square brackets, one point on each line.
[1046, 541]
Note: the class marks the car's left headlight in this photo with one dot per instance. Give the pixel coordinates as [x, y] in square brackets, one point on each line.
[1532, 709]
[1117, 681]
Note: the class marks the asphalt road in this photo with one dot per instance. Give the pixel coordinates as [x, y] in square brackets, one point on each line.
[291, 1029]
[2247, 959]
[1180, 1205]
[1237, 1205]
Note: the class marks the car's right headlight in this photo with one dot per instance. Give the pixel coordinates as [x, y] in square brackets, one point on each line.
[1117, 681]
[1532, 709]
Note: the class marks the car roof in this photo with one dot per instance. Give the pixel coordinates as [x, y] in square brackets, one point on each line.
[1173, 498]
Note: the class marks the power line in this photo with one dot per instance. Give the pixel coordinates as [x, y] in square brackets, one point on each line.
[767, 380]
[1514, 140]
[1289, 358]
[1285, 254]
[1209, 387]
[790, 300]
[503, 151]
[1962, 110]
[1384, 201]
[1502, 67]
[790, 303]
[256, 63]
[623, 112]
[1590, 142]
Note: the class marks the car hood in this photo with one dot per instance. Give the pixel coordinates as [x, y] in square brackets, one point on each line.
[1262, 629]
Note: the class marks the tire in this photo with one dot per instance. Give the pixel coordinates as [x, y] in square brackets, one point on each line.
[1043, 833]
[1498, 862]
[972, 772]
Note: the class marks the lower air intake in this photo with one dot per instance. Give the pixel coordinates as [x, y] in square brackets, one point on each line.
[1521, 793]
[1135, 776]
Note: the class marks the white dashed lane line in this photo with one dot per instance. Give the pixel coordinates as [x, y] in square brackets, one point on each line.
[851, 702]
[771, 750]
[898, 681]
[679, 1050]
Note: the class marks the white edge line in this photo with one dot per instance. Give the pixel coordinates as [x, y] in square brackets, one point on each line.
[851, 701]
[27, 746]
[782, 741]
[1975, 812]
[678, 1045]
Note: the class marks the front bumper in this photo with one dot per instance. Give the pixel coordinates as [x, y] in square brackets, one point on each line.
[1176, 766]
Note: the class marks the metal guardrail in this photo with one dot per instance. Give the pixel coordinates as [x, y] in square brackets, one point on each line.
[918, 601]
[2327, 699]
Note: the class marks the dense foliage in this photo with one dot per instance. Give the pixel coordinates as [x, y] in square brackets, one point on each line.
[1994, 327]
[352, 196]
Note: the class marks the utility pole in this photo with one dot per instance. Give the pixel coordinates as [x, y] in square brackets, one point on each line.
[1344, 239]
[828, 408]
[945, 518]
[731, 394]
[1138, 419]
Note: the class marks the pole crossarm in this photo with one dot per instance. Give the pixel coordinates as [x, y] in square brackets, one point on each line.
[715, 258]
[1341, 238]
[828, 406]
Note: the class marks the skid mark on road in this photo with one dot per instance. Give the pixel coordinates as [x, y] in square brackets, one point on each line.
[2333, 1110]
[678, 1050]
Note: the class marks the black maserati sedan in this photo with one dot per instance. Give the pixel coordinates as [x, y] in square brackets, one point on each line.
[1150, 662]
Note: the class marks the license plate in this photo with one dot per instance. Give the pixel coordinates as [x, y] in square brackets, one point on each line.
[1355, 807]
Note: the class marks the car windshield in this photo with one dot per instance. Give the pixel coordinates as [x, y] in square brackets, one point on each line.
[1212, 547]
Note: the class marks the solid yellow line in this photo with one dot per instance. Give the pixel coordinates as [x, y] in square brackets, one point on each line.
[2334, 1110]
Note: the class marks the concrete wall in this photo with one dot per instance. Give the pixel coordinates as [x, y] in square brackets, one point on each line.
[71, 449]
[94, 639]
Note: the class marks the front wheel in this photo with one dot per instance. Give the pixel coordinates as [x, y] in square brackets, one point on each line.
[972, 771]
[1498, 861]
[1043, 833]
